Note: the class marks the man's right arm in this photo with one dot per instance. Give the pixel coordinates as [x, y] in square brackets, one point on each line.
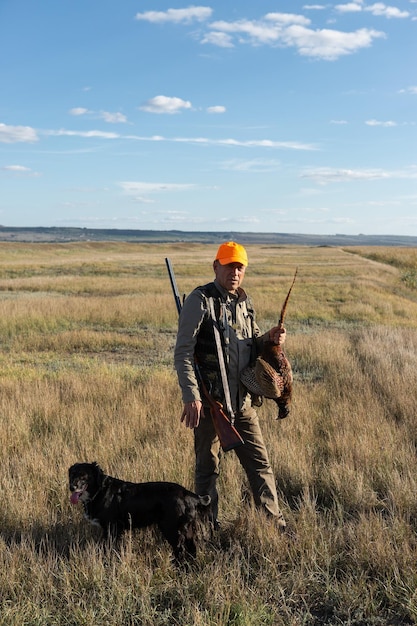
[190, 320]
[191, 413]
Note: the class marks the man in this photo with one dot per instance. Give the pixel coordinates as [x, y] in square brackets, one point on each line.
[241, 342]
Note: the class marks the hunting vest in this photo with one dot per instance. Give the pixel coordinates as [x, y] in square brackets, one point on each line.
[205, 350]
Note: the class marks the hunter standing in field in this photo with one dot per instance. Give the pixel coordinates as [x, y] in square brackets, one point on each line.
[240, 342]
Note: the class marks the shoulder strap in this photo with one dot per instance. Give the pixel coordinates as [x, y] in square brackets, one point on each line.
[249, 307]
[210, 291]
[222, 364]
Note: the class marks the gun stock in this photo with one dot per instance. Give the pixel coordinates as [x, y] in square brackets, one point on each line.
[228, 436]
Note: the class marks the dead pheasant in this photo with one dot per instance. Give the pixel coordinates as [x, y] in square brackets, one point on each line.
[272, 375]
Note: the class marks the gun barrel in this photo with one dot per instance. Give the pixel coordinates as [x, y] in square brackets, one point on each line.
[173, 285]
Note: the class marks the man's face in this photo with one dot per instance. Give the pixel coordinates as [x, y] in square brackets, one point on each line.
[229, 276]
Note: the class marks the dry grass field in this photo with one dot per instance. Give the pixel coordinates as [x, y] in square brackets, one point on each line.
[87, 334]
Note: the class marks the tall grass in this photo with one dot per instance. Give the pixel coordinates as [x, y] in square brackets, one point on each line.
[87, 334]
[402, 258]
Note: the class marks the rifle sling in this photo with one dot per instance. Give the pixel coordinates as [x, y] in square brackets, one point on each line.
[222, 364]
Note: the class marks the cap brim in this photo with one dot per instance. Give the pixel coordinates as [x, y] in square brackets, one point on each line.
[227, 260]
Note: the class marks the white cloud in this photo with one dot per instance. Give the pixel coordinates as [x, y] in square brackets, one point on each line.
[290, 30]
[254, 165]
[412, 90]
[349, 7]
[113, 118]
[379, 8]
[15, 134]
[339, 122]
[256, 32]
[252, 143]
[387, 124]
[78, 111]
[287, 18]
[142, 199]
[142, 187]
[240, 219]
[20, 170]
[221, 40]
[314, 7]
[329, 44]
[16, 168]
[78, 133]
[165, 104]
[216, 109]
[191, 14]
[325, 175]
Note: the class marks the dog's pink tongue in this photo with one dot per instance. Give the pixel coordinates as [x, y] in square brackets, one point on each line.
[75, 496]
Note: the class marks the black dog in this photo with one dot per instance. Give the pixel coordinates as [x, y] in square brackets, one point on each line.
[117, 505]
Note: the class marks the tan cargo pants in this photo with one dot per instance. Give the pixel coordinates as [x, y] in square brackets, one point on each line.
[252, 456]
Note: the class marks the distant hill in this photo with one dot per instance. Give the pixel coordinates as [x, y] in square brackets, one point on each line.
[65, 235]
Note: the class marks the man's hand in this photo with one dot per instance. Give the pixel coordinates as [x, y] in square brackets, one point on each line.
[191, 413]
[278, 335]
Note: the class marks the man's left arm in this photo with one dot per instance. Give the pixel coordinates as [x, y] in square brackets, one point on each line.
[277, 335]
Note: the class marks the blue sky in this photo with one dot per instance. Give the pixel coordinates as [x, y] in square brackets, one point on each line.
[266, 116]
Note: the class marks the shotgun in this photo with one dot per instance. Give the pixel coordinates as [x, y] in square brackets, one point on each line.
[228, 436]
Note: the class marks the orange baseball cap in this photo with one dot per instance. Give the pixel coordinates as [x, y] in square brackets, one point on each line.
[231, 252]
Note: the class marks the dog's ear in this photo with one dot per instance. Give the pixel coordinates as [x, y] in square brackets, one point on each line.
[204, 500]
[97, 470]
[73, 468]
